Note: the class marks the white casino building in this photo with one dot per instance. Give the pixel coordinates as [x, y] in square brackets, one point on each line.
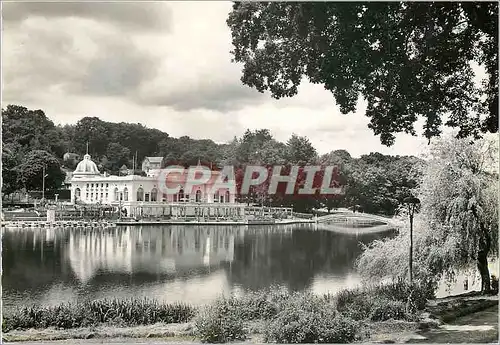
[141, 196]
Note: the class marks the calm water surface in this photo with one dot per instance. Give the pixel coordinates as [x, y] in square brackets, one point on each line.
[174, 263]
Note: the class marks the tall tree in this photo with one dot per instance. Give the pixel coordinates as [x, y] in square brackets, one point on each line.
[30, 172]
[407, 59]
[300, 150]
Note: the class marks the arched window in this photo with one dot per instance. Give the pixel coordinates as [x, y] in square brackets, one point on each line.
[77, 194]
[140, 194]
[198, 195]
[117, 194]
[228, 196]
[125, 194]
[180, 195]
[154, 194]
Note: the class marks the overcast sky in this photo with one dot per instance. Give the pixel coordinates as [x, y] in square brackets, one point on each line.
[165, 65]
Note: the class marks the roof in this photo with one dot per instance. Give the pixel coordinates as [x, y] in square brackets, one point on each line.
[154, 159]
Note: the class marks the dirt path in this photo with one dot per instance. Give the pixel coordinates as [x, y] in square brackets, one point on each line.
[478, 327]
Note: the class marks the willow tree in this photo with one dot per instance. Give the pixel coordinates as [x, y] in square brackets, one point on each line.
[458, 224]
[407, 59]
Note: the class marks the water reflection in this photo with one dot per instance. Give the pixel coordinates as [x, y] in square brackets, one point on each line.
[148, 250]
[171, 263]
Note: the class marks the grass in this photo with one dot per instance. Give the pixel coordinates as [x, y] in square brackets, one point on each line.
[116, 312]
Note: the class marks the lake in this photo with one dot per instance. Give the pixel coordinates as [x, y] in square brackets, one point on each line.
[193, 264]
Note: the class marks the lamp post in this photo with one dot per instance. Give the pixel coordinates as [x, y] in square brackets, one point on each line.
[412, 203]
[43, 181]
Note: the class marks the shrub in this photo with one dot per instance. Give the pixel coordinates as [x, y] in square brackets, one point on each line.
[494, 282]
[383, 309]
[416, 294]
[390, 301]
[219, 323]
[308, 319]
[263, 305]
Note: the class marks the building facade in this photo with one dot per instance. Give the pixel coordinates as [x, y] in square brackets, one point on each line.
[152, 165]
[141, 195]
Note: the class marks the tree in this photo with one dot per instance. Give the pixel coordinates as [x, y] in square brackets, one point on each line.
[9, 172]
[30, 172]
[407, 59]
[458, 224]
[30, 130]
[300, 151]
[95, 132]
[116, 156]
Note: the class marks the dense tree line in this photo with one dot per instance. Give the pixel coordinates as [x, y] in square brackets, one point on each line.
[373, 183]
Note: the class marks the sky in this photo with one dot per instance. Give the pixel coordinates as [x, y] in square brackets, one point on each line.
[166, 65]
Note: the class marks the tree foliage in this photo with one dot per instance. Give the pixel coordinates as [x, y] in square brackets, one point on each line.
[458, 224]
[375, 182]
[30, 172]
[407, 59]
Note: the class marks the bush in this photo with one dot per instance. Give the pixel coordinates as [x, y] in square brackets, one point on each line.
[262, 305]
[308, 319]
[124, 312]
[397, 301]
[418, 294]
[220, 323]
[494, 282]
[383, 309]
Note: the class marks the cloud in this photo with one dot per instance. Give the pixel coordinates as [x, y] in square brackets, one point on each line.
[145, 16]
[86, 59]
[166, 65]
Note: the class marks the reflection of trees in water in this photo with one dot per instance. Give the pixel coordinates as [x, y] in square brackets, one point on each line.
[293, 259]
[33, 258]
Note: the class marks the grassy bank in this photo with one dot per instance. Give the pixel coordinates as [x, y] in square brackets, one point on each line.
[272, 315]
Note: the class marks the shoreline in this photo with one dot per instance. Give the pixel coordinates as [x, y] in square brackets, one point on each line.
[433, 322]
[99, 224]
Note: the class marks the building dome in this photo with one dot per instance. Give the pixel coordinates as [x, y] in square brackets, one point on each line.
[86, 167]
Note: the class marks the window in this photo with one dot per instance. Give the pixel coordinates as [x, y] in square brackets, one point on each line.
[92, 185]
[125, 194]
[175, 197]
[106, 185]
[77, 193]
[106, 196]
[228, 196]
[198, 196]
[146, 197]
[140, 194]
[186, 198]
[180, 195]
[101, 195]
[216, 197]
[154, 194]
[87, 186]
[86, 196]
[117, 196]
[222, 198]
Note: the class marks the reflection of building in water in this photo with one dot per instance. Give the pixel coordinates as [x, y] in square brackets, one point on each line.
[148, 250]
